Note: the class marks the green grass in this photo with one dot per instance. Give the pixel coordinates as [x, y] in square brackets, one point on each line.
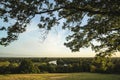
[92, 76]
[58, 76]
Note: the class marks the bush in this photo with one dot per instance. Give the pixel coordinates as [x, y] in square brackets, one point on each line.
[117, 68]
[51, 68]
[27, 66]
[92, 68]
[43, 68]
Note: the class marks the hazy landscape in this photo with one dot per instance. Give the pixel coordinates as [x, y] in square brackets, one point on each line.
[59, 39]
[57, 69]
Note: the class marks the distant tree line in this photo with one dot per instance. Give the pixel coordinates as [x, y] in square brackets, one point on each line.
[64, 65]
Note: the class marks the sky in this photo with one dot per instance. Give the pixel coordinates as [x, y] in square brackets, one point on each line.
[30, 44]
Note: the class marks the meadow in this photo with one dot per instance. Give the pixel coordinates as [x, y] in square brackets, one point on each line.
[60, 76]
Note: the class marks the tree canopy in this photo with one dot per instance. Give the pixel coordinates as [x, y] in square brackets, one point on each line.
[27, 66]
[103, 23]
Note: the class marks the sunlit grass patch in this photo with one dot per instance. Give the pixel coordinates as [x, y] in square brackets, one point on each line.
[61, 76]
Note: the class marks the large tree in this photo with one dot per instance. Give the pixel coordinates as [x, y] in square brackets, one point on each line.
[103, 21]
[27, 66]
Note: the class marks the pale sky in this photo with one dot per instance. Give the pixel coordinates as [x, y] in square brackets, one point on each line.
[30, 44]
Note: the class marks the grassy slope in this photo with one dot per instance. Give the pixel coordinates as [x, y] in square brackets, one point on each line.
[93, 76]
[71, 76]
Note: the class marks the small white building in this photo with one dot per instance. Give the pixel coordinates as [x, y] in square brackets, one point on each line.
[53, 62]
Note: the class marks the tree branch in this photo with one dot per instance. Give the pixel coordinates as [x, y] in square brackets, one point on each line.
[47, 11]
[115, 13]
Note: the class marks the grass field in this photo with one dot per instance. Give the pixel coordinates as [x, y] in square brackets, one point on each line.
[57, 76]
